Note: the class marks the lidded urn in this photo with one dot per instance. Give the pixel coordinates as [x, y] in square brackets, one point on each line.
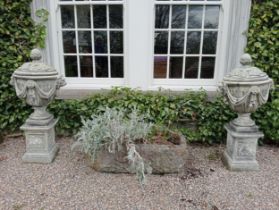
[37, 83]
[246, 88]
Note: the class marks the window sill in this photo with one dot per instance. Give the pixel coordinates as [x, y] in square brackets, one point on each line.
[79, 91]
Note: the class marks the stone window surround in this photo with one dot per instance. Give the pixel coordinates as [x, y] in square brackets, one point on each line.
[238, 15]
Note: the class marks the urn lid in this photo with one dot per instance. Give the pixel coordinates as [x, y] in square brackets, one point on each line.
[247, 72]
[36, 67]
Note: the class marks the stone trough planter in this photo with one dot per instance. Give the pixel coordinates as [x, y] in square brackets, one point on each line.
[164, 159]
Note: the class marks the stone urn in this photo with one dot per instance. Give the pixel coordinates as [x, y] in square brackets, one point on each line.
[246, 89]
[37, 83]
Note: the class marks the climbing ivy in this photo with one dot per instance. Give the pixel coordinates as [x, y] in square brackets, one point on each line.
[263, 37]
[19, 34]
[263, 45]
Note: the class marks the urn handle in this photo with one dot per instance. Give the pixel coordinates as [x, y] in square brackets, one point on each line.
[60, 82]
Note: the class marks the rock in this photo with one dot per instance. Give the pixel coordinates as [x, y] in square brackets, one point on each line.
[163, 159]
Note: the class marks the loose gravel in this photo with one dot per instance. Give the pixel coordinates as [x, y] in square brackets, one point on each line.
[68, 183]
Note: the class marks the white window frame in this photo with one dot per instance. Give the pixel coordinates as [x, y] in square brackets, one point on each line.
[86, 82]
[139, 49]
[219, 56]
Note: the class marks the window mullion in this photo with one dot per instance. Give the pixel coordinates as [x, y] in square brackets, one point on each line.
[185, 41]
[188, 3]
[89, 2]
[169, 41]
[92, 42]
[108, 37]
[201, 43]
[77, 40]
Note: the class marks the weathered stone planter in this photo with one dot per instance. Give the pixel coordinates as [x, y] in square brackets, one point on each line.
[37, 83]
[246, 89]
[163, 159]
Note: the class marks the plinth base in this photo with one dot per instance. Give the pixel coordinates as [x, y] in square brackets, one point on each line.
[40, 143]
[234, 165]
[240, 154]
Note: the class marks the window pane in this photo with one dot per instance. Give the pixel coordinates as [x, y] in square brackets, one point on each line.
[101, 66]
[176, 67]
[178, 16]
[209, 42]
[116, 16]
[116, 42]
[160, 66]
[207, 67]
[211, 17]
[67, 17]
[198, 59]
[84, 40]
[177, 42]
[191, 67]
[116, 63]
[83, 17]
[86, 66]
[195, 16]
[162, 16]
[193, 42]
[104, 24]
[69, 41]
[161, 42]
[100, 39]
[71, 69]
[100, 16]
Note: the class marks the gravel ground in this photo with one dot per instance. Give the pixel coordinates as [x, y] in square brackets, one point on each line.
[69, 183]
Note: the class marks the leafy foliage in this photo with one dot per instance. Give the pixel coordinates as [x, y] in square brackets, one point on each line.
[158, 107]
[263, 37]
[263, 45]
[267, 117]
[16, 32]
[169, 109]
[116, 131]
[41, 30]
[213, 116]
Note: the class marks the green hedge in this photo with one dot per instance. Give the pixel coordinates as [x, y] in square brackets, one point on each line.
[160, 108]
[18, 37]
[263, 45]
[263, 37]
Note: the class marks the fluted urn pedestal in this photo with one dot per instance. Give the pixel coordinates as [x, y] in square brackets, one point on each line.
[246, 89]
[37, 83]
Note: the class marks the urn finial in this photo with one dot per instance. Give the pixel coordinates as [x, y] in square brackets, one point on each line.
[246, 60]
[36, 55]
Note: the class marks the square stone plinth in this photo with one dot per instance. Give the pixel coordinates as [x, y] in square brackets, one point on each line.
[40, 143]
[240, 153]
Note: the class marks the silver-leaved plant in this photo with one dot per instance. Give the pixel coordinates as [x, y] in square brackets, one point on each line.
[116, 131]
